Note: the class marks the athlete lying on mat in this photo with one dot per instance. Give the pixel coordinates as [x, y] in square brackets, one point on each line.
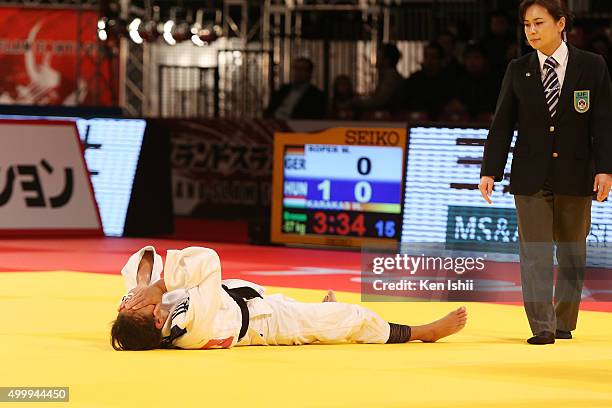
[192, 308]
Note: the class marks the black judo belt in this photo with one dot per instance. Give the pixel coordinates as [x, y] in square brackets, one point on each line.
[240, 295]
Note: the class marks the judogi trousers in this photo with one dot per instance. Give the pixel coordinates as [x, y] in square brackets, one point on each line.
[291, 323]
[546, 219]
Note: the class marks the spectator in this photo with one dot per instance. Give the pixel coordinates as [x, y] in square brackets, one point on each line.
[476, 89]
[343, 94]
[387, 93]
[299, 99]
[428, 89]
[451, 66]
[499, 42]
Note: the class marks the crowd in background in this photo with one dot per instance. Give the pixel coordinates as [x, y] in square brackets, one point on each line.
[457, 81]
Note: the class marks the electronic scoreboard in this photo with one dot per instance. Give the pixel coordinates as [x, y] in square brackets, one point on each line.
[343, 186]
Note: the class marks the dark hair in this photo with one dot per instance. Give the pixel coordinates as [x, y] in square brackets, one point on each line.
[473, 49]
[556, 8]
[342, 77]
[446, 34]
[307, 61]
[135, 332]
[499, 13]
[435, 46]
[391, 53]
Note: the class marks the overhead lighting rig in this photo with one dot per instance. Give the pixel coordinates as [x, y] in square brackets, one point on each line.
[148, 27]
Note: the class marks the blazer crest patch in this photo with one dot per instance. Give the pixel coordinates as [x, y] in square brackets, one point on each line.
[582, 101]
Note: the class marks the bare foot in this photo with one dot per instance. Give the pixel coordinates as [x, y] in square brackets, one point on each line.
[449, 324]
[330, 297]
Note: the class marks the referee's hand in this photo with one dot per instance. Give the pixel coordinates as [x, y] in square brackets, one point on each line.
[486, 187]
[602, 185]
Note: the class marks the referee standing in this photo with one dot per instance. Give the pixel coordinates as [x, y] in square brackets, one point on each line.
[561, 98]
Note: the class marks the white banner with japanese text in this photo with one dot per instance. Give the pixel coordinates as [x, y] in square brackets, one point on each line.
[44, 182]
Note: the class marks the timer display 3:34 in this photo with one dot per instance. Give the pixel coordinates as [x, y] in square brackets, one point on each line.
[353, 224]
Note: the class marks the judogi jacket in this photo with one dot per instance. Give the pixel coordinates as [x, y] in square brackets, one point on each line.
[203, 314]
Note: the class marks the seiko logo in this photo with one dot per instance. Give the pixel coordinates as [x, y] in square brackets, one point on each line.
[375, 137]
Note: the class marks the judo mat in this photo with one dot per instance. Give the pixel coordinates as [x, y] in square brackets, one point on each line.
[55, 326]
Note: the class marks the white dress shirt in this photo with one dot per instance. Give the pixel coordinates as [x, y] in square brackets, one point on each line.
[561, 56]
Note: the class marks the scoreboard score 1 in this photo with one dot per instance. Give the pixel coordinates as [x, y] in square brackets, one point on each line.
[343, 186]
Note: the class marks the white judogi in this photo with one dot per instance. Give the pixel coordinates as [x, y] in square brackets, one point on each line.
[203, 315]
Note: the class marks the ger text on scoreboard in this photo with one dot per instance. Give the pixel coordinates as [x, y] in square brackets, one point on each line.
[343, 186]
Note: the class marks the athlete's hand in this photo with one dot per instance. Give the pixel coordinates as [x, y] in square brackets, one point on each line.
[151, 295]
[602, 184]
[139, 288]
[486, 187]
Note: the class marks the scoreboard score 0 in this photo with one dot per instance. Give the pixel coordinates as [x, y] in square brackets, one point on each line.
[342, 186]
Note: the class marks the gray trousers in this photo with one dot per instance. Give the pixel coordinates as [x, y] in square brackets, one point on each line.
[547, 220]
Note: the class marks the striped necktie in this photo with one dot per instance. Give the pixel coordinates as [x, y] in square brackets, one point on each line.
[551, 85]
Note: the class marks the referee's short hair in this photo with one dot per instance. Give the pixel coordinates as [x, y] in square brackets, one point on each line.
[556, 8]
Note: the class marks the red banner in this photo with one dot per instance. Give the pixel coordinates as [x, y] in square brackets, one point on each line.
[52, 57]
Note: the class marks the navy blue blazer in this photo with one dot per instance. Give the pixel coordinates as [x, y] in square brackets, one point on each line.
[571, 147]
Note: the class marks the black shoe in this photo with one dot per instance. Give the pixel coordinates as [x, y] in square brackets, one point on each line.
[542, 338]
[560, 334]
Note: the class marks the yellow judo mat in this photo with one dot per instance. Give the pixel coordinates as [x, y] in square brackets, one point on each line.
[54, 332]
